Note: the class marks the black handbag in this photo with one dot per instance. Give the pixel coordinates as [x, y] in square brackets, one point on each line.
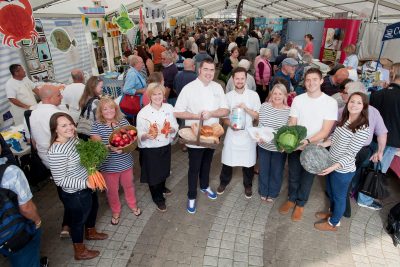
[374, 182]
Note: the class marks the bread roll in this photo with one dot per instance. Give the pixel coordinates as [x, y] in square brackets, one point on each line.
[218, 130]
[187, 134]
[209, 139]
[207, 130]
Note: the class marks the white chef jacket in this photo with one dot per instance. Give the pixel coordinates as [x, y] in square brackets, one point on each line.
[239, 148]
[71, 95]
[149, 114]
[22, 91]
[195, 97]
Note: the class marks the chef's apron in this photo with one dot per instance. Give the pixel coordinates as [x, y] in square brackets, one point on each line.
[239, 148]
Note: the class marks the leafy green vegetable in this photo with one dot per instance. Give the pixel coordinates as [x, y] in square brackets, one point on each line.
[92, 154]
[288, 138]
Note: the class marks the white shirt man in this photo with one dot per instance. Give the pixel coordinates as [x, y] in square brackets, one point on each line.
[73, 92]
[20, 92]
[317, 112]
[239, 148]
[201, 99]
[40, 120]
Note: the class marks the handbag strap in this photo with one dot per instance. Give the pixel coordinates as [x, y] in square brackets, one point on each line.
[88, 107]
[378, 166]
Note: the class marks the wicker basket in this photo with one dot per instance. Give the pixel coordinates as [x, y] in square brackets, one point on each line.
[128, 148]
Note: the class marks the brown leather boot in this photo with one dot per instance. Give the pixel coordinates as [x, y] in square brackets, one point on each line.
[322, 215]
[325, 226]
[82, 253]
[284, 209]
[92, 234]
[297, 214]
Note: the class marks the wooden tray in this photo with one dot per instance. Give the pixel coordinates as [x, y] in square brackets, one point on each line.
[197, 142]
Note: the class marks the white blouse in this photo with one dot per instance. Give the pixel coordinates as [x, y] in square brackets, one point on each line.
[149, 115]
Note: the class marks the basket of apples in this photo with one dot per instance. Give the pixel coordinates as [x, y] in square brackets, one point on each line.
[124, 138]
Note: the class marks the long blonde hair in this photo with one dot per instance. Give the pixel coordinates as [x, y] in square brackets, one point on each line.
[108, 101]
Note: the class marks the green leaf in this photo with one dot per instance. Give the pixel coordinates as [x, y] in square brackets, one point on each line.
[92, 154]
[300, 132]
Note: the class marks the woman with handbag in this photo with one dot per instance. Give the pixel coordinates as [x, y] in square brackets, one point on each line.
[79, 199]
[88, 105]
[155, 145]
[348, 138]
[118, 167]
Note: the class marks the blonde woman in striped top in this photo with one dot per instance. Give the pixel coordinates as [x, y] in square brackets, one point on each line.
[348, 138]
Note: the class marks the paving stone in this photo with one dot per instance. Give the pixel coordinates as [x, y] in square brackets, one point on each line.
[226, 253]
[240, 256]
[225, 262]
[212, 251]
[256, 261]
[210, 261]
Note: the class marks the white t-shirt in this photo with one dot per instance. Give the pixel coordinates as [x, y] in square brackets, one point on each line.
[40, 129]
[22, 91]
[311, 112]
[195, 97]
[71, 95]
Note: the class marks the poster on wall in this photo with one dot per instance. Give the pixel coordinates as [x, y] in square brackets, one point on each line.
[154, 12]
[333, 44]
[276, 24]
[62, 38]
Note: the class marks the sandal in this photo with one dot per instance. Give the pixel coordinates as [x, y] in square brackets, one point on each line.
[137, 212]
[115, 220]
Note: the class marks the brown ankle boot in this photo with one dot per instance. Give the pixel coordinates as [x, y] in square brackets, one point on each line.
[92, 234]
[82, 253]
[297, 214]
[322, 215]
[284, 209]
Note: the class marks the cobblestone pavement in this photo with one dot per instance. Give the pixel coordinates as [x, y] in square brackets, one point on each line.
[228, 231]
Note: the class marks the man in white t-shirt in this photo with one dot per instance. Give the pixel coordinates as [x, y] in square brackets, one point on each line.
[40, 120]
[73, 92]
[239, 148]
[317, 112]
[202, 98]
[20, 92]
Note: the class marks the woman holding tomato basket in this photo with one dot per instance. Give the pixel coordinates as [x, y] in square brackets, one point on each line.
[157, 127]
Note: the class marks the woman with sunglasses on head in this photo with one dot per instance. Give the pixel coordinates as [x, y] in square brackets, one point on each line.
[347, 140]
[78, 197]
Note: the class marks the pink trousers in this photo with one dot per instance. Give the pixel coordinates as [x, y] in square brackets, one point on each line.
[113, 180]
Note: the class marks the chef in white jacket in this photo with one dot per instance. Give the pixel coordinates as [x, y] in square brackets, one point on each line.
[239, 148]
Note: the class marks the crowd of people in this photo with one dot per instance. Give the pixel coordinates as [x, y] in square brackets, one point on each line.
[173, 77]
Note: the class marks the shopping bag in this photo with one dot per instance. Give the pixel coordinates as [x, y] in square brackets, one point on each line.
[374, 184]
[130, 104]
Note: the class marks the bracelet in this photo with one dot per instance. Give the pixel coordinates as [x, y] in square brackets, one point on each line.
[308, 140]
[38, 224]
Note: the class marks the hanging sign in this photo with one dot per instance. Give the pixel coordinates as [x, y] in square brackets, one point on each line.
[154, 12]
[123, 21]
[391, 32]
[17, 22]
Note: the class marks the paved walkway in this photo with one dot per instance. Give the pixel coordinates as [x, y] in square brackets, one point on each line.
[228, 231]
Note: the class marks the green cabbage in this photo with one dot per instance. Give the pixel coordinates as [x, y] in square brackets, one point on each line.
[288, 138]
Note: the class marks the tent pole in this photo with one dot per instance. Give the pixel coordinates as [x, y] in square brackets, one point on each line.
[374, 10]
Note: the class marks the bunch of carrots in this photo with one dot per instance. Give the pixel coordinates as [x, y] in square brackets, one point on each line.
[92, 154]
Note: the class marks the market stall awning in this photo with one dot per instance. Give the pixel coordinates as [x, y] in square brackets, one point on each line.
[387, 10]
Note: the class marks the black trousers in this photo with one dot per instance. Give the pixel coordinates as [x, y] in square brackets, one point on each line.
[199, 168]
[226, 175]
[66, 219]
[157, 191]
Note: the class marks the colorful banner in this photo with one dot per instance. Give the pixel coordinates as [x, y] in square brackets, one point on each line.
[154, 12]
[391, 32]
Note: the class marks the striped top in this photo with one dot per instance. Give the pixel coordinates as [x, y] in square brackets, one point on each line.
[346, 145]
[114, 162]
[65, 166]
[274, 118]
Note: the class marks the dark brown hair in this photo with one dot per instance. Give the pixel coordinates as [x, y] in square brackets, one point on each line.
[208, 61]
[313, 70]
[155, 77]
[309, 36]
[54, 124]
[362, 119]
[238, 69]
[89, 90]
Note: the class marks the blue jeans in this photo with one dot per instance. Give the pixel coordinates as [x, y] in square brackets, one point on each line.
[300, 181]
[388, 155]
[29, 255]
[271, 172]
[337, 185]
[82, 208]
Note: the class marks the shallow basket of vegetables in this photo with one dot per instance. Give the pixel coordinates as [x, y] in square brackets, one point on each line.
[288, 138]
[92, 154]
[124, 138]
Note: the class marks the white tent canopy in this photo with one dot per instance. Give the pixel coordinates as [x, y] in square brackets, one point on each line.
[388, 11]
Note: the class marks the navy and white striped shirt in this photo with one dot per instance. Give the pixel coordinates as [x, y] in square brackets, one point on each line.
[65, 166]
[274, 118]
[346, 145]
[114, 162]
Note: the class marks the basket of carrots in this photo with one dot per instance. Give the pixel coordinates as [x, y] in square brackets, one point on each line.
[124, 138]
[92, 154]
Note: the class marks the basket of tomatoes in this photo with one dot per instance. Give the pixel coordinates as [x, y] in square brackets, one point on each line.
[124, 138]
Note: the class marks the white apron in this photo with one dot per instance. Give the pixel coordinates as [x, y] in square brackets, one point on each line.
[239, 148]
